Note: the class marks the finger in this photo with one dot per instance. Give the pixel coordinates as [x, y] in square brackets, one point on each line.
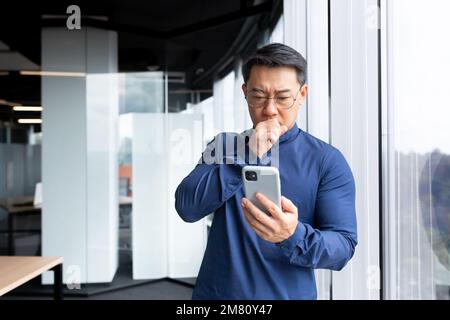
[273, 208]
[272, 122]
[272, 125]
[284, 129]
[287, 205]
[271, 132]
[263, 137]
[258, 214]
[255, 224]
[262, 235]
[263, 144]
[273, 136]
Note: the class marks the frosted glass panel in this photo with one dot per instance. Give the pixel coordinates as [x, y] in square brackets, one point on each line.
[186, 240]
[149, 216]
[165, 148]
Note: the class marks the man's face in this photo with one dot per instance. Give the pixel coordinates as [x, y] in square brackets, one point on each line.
[280, 82]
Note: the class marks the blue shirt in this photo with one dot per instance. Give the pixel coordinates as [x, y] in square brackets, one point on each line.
[237, 263]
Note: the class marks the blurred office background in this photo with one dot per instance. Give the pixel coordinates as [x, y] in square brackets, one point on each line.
[98, 125]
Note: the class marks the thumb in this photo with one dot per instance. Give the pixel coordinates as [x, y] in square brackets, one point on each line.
[284, 129]
[287, 205]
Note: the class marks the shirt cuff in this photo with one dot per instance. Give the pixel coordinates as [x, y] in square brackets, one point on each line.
[291, 243]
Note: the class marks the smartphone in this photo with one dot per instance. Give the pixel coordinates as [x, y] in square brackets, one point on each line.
[265, 180]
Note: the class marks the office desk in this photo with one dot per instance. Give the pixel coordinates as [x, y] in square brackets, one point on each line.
[17, 206]
[15, 271]
[14, 207]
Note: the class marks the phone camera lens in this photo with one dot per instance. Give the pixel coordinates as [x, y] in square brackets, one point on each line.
[251, 176]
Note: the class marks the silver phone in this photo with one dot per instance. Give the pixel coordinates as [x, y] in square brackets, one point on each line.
[265, 180]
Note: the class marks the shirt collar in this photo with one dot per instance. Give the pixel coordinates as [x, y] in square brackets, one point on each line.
[292, 132]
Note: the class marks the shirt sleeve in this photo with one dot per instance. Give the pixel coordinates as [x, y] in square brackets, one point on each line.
[213, 181]
[332, 243]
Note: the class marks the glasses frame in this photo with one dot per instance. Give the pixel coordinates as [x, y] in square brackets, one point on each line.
[263, 105]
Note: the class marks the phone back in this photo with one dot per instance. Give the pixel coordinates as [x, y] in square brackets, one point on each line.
[265, 180]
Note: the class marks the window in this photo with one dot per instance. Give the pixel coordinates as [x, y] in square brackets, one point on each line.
[417, 150]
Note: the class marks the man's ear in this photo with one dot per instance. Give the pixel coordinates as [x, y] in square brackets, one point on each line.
[303, 93]
[244, 89]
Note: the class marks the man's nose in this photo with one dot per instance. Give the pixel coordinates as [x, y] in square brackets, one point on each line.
[270, 108]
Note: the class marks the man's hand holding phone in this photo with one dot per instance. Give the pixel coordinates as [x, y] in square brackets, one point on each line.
[265, 135]
[276, 228]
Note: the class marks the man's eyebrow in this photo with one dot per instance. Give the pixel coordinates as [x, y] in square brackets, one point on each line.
[283, 91]
[277, 91]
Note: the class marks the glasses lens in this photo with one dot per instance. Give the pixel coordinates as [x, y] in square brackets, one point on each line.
[285, 102]
[256, 101]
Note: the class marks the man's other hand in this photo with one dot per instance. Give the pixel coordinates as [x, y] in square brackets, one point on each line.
[265, 135]
[276, 228]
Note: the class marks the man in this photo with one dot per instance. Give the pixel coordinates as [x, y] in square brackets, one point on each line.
[251, 255]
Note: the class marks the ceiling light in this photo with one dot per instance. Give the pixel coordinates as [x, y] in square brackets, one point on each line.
[52, 73]
[27, 108]
[29, 121]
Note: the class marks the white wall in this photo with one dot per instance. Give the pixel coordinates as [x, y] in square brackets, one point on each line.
[79, 166]
[102, 106]
[354, 130]
[64, 210]
[224, 104]
[242, 120]
[295, 36]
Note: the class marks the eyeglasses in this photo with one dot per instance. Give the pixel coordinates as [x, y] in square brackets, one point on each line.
[283, 101]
